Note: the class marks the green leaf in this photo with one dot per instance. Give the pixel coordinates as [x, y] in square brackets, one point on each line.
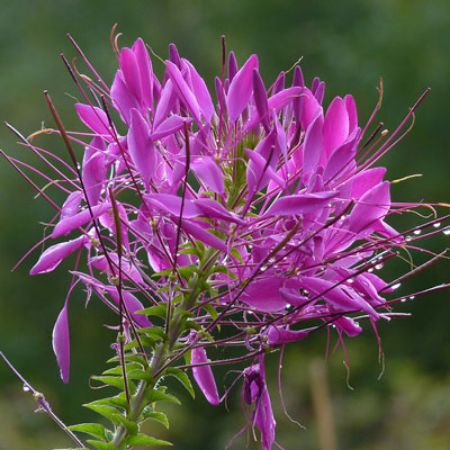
[159, 395]
[118, 369]
[116, 401]
[116, 382]
[182, 377]
[93, 429]
[131, 426]
[129, 357]
[104, 410]
[149, 414]
[101, 445]
[211, 310]
[143, 439]
[155, 311]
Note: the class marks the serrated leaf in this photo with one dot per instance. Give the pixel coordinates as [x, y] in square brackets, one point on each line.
[114, 401]
[159, 395]
[118, 369]
[143, 439]
[155, 311]
[131, 427]
[104, 410]
[116, 382]
[154, 333]
[93, 429]
[129, 357]
[211, 310]
[182, 377]
[139, 374]
[101, 445]
[158, 416]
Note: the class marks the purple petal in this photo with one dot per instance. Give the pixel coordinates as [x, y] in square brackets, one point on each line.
[212, 209]
[336, 126]
[291, 205]
[165, 104]
[313, 147]
[183, 90]
[72, 204]
[201, 92]
[172, 205]
[260, 95]
[371, 207]
[131, 72]
[204, 376]
[122, 99]
[94, 118]
[141, 147]
[94, 175]
[366, 180]
[61, 343]
[232, 66]
[68, 224]
[52, 257]
[204, 236]
[132, 305]
[209, 173]
[240, 89]
[144, 64]
[279, 335]
[170, 126]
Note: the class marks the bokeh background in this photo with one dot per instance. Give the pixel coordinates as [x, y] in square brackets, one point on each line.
[349, 44]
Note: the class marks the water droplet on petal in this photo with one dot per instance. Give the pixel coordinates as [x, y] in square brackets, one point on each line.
[396, 286]
[446, 232]
[411, 297]
[379, 266]
[417, 232]
[437, 224]
[408, 238]
[26, 388]
[403, 300]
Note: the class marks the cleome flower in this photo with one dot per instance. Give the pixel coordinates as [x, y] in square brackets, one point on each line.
[268, 206]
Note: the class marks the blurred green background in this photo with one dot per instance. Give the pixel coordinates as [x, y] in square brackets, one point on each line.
[349, 44]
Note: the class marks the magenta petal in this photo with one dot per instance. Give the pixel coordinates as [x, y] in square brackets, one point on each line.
[61, 343]
[122, 98]
[204, 236]
[290, 205]
[336, 126]
[131, 72]
[183, 90]
[94, 118]
[201, 92]
[140, 146]
[366, 180]
[169, 126]
[144, 64]
[209, 173]
[68, 224]
[313, 147]
[94, 175]
[371, 207]
[279, 335]
[54, 255]
[260, 95]
[165, 104]
[71, 206]
[172, 204]
[240, 89]
[132, 304]
[204, 376]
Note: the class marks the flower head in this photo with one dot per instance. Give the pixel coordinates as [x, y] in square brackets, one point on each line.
[265, 205]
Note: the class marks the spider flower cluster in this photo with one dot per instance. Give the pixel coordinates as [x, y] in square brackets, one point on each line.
[247, 215]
